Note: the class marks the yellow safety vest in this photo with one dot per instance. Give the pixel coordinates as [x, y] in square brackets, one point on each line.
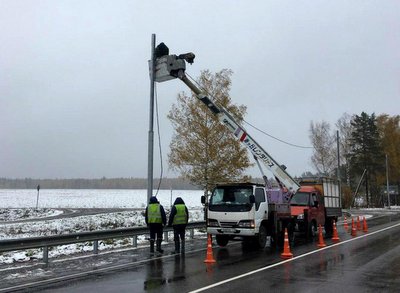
[154, 213]
[180, 216]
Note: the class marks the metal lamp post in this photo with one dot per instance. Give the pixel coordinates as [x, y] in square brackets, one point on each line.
[151, 122]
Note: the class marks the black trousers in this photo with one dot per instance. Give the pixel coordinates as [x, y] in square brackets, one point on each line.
[156, 230]
[179, 232]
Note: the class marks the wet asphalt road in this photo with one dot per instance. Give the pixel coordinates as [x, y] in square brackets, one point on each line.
[367, 263]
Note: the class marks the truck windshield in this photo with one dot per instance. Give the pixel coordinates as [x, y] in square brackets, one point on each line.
[231, 198]
[300, 199]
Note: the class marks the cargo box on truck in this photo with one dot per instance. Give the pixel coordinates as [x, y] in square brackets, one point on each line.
[317, 202]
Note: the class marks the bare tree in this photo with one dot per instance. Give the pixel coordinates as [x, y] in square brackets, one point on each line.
[345, 130]
[323, 141]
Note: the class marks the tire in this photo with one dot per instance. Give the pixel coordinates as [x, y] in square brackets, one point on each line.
[261, 238]
[222, 240]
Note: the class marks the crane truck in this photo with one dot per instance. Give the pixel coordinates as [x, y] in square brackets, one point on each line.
[248, 211]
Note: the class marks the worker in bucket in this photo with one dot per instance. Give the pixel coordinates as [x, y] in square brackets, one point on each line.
[155, 219]
[178, 219]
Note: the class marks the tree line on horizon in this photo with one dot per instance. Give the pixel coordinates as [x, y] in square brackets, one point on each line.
[100, 183]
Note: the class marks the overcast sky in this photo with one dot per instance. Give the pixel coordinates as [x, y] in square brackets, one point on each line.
[74, 81]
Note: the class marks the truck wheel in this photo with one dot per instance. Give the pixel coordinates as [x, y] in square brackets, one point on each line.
[312, 228]
[261, 238]
[222, 240]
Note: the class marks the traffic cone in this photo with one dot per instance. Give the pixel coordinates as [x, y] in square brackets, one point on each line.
[345, 225]
[209, 258]
[335, 237]
[286, 247]
[358, 224]
[353, 228]
[321, 242]
[365, 227]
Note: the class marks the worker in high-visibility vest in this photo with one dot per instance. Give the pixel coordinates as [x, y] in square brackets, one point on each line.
[155, 219]
[178, 219]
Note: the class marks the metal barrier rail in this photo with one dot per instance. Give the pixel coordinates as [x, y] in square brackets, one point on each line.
[54, 240]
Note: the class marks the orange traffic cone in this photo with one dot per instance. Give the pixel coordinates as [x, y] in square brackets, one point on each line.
[358, 224]
[345, 225]
[209, 258]
[353, 228]
[335, 237]
[365, 227]
[321, 242]
[286, 247]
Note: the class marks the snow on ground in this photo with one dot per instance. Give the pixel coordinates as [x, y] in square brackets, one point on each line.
[25, 214]
[92, 198]
[20, 205]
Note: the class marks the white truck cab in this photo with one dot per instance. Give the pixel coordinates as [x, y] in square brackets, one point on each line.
[238, 210]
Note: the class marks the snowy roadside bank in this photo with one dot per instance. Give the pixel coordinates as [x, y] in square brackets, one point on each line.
[18, 204]
[73, 225]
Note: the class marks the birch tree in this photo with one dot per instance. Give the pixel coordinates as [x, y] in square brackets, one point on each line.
[324, 154]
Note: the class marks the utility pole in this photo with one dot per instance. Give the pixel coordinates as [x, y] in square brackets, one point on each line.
[151, 122]
[338, 167]
[387, 181]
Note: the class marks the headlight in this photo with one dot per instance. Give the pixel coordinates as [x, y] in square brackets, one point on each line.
[246, 224]
[212, 223]
[300, 217]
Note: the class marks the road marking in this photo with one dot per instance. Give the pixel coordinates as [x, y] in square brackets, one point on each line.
[289, 260]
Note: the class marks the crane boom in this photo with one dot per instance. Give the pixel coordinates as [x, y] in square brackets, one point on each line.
[172, 66]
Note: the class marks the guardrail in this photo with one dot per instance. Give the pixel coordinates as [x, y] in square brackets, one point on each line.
[54, 240]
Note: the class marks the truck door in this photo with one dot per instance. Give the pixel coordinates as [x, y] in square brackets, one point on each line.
[261, 204]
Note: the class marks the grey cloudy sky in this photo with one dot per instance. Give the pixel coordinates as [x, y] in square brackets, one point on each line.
[74, 82]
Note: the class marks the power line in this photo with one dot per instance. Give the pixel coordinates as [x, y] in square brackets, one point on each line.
[278, 139]
[159, 142]
[256, 128]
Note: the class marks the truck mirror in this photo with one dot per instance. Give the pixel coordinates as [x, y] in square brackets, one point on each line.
[252, 199]
[203, 199]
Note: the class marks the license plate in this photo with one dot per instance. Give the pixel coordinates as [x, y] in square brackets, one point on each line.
[228, 230]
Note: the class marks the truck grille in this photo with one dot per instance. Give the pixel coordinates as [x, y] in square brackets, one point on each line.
[227, 224]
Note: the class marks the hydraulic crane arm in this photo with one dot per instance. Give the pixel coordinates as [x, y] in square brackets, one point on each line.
[172, 66]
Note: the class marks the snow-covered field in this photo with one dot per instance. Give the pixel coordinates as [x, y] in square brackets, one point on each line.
[20, 204]
[92, 198]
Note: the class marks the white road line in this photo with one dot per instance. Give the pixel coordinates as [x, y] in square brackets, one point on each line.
[289, 260]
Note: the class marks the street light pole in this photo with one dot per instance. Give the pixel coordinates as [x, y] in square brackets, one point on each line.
[151, 122]
[387, 181]
[338, 167]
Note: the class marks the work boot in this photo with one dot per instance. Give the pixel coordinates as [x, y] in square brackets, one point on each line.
[151, 246]
[183, 246]
[159, 246]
